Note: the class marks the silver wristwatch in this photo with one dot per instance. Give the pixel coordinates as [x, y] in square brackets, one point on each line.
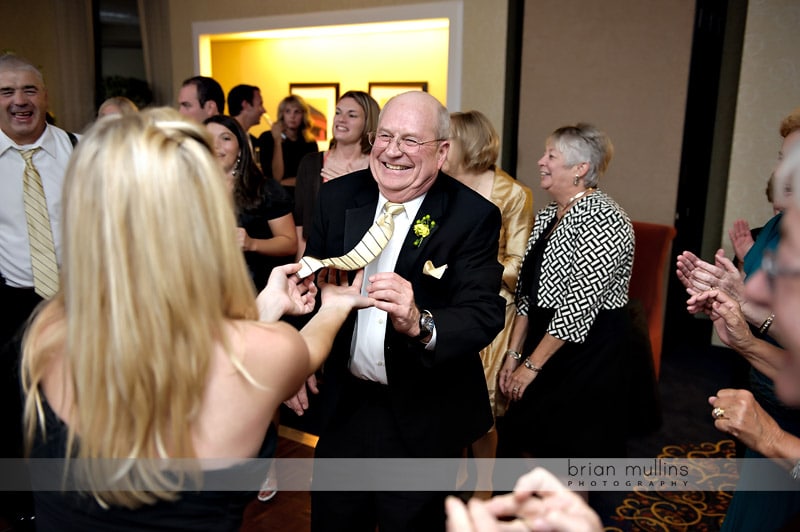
[426, 325]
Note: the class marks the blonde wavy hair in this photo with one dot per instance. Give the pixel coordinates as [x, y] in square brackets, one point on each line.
[304, 131]
[151, 272]
[480, 143]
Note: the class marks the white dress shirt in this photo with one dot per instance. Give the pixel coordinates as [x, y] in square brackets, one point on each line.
[51, 163]
[367, 349]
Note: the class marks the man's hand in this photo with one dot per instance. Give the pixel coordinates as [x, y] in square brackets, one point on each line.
[395, 295]
[299, 401]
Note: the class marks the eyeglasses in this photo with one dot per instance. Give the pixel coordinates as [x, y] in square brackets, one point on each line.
[769, 264]
[405, 144]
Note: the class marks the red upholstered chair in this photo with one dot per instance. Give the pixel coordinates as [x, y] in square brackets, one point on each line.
[648, 280]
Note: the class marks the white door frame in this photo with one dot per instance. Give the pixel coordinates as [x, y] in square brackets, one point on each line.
[453, 11]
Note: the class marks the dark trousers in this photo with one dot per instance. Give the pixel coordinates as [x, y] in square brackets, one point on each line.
[16, 306]
[364, 427]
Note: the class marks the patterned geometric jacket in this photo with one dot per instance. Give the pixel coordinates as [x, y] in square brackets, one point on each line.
[586, 266]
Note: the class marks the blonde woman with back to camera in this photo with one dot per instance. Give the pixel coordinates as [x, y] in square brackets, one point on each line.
[474, 147]
[153, 348]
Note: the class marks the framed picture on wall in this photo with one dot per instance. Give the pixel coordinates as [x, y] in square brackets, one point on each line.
[322, 98]
[383, 90]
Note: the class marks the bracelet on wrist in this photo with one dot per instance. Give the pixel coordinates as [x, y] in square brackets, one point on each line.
[531, 366]
[766, 325]
[516, 355]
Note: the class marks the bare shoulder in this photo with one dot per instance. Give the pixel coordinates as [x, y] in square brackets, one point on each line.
[274, 350]
[277, 336]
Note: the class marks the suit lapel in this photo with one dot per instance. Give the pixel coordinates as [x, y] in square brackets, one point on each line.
[359, 217]
[434, 205]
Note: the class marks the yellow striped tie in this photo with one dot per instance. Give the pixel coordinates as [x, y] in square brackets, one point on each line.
[40, 234]
[370, 246]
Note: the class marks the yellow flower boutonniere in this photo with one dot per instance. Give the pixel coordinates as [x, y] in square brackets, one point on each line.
[423, 228]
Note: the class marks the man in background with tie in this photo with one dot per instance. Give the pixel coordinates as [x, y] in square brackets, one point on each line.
[404, 378]
[33, 159]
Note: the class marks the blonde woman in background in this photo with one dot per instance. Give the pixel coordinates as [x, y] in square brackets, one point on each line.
[153, 348]
[474, 147]
[117, 105]
[288, 141]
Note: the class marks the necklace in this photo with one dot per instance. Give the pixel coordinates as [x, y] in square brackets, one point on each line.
[575, 198]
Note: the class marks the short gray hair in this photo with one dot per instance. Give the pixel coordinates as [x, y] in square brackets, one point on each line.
[9, 61]
[584, 143]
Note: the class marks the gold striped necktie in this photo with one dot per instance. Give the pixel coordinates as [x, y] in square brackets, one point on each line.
[370, 246]
[40, 233]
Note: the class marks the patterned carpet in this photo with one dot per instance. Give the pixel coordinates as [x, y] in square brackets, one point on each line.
[682, 510]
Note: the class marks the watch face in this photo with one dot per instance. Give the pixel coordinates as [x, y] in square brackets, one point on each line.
[425, 325]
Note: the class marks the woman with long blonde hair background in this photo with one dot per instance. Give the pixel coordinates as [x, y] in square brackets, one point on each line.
[288, 141]
[152, 347]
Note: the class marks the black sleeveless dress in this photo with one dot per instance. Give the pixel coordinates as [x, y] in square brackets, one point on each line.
[66, 511]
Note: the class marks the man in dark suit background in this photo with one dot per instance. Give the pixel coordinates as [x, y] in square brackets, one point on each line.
[409, 382]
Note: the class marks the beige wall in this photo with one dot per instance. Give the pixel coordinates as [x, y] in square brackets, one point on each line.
[484, 40]
[769, 88]
[55, 36]
[622, 65]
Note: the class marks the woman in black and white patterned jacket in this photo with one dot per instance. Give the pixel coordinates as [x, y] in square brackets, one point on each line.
[566, 371]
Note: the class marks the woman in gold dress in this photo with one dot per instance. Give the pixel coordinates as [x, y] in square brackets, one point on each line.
[474, 147]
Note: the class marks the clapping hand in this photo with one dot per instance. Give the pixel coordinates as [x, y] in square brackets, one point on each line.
[539, 502]
[697, 275]
[729, 320]
[741, 238]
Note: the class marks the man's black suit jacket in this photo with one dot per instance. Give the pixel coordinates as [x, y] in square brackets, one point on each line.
[438, 397]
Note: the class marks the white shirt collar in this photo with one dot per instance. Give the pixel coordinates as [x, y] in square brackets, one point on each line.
[410, 207]
[46, 141]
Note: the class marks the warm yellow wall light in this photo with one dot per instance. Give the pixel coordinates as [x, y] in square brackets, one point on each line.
[352, 55]
[340, 29]
[206, 40]
[204, 46]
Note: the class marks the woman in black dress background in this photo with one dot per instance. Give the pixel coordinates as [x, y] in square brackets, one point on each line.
[264, 210]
